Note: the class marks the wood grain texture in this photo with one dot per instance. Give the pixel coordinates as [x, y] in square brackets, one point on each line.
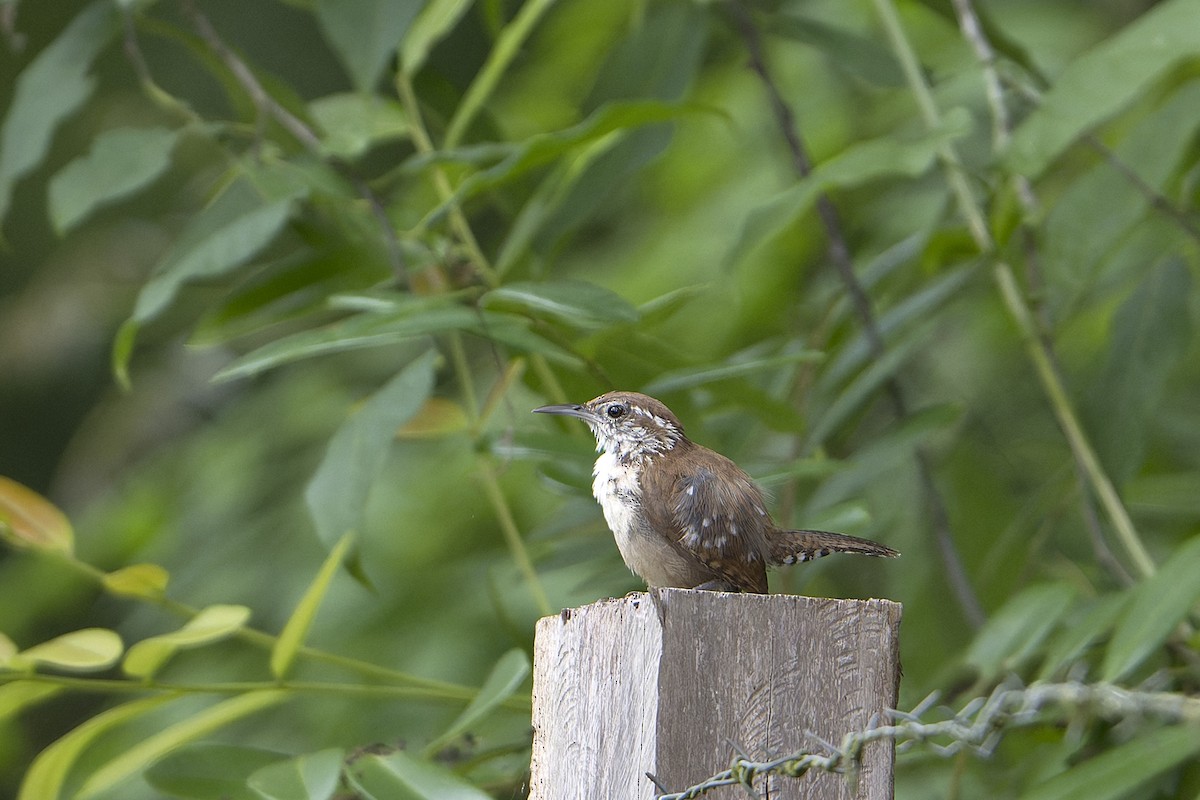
[671, 681]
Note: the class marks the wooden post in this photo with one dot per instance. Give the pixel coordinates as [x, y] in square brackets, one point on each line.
[672, 681]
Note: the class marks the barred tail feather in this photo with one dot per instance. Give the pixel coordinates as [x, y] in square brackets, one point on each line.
[790, 547]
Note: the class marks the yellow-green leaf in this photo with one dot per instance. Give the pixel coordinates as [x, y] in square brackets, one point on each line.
[296, 630]
[45, 776]
[86, 650]
[32, 520]
[7, 649]
[149, 750]
[212, 624]
[19, 695]
[138, 580]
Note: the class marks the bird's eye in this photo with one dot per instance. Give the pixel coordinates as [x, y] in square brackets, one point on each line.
[616, 411]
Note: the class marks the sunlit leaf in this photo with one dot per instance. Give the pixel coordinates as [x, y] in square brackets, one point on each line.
[149, 750]
[1159, 604]
[138, 580]
[121, 161]
[1015, 632]
[49, 90]
[8, 649]
[337, 493]
[313, 776]
[505, 678]
[211, 624]
[31, 520]
[365, 34]
[296, 630]
[209, 771]
[1104, 80]
[1114, 773]
[45, 777]
[402, 776]
[571, 302]
[87, 650]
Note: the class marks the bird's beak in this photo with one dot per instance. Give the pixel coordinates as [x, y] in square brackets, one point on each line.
[566, 409]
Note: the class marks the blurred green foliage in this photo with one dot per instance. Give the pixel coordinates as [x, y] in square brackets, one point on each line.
[281, 281]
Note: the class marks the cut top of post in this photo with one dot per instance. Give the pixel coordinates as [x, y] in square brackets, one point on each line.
[675, 682]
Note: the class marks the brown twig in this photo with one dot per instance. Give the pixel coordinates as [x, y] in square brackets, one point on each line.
[839, 253]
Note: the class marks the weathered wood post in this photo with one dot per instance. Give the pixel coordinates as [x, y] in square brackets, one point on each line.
[672, 681]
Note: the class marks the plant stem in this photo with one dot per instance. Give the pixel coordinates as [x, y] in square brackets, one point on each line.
[1052, 383]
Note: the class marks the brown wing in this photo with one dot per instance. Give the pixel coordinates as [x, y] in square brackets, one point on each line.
[722, 521]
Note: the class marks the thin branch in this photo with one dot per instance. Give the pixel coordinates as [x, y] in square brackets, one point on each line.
[978, 727]
[973, 31]
[839, 253]
[1042, 358]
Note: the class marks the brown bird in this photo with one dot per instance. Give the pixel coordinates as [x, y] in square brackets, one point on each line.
[685, 516]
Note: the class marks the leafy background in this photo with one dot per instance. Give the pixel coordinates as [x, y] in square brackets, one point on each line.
[926, 269]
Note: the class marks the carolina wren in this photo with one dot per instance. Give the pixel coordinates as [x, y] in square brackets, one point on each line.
[685, 516]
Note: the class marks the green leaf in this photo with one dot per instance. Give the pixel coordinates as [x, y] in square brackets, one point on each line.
[149, 750]
[1077, 635]
[1150, 334]
[29, 520]
[505, 678]
[353, 123]
[376, 330]
[313, 776]
[677, 379]
[857, 165]
[1104, 80]
[572, 302]
[17, 696]
[337, 494]
[401, 776]
[551, 193]
[365, 33]
[138, 580]
[120, 162]
[436, 19]
[49, 90]
[1159, 604]
[296, 630]
[220, 238]
[211, 624]
[1015, 632]
[87, 650]
[45, 777]
[209, 771]
[1115, 773]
